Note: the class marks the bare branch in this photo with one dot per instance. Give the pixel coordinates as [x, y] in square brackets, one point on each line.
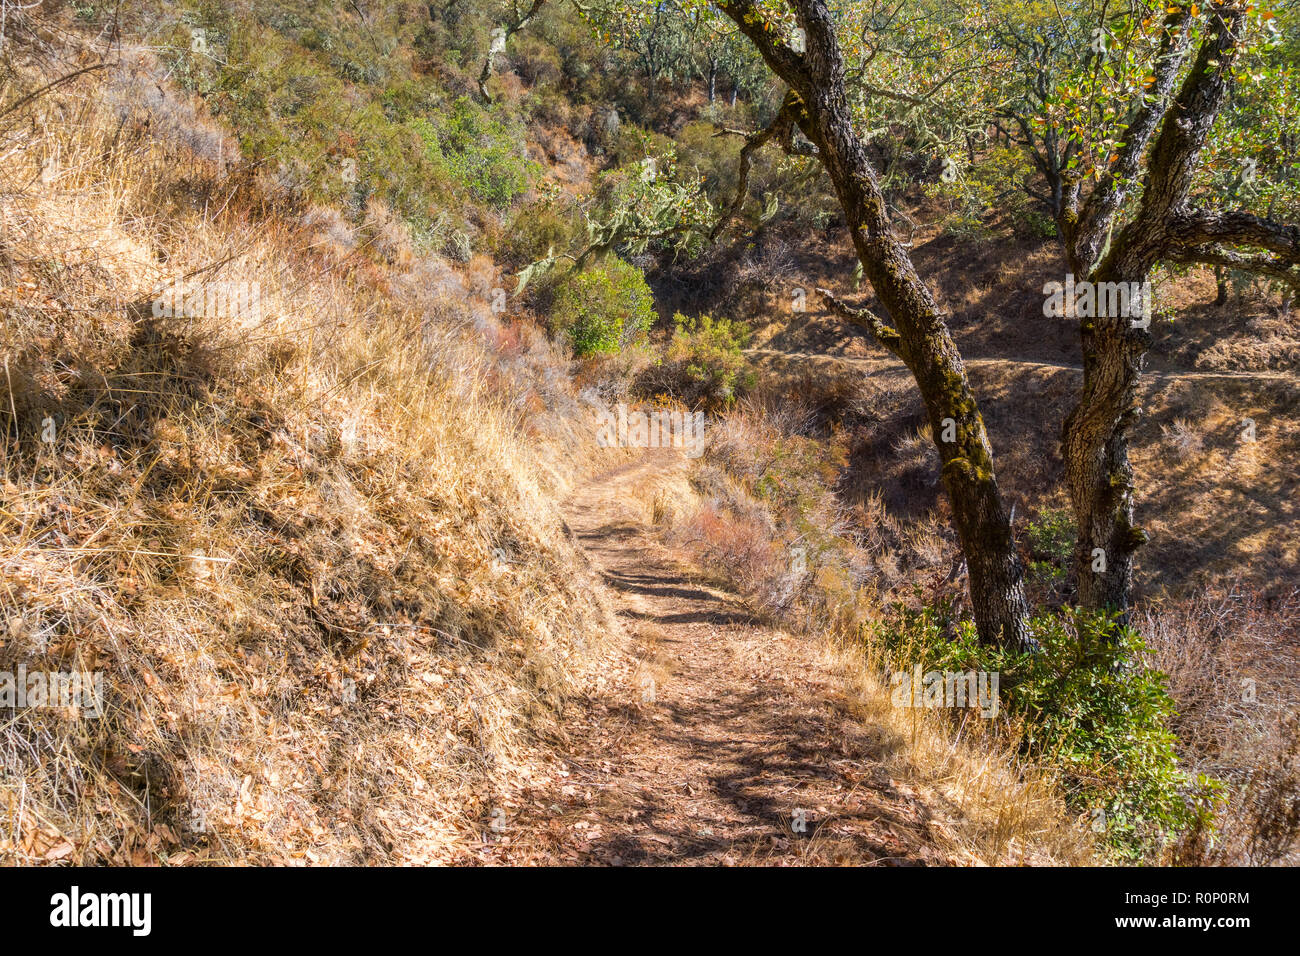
[23, 101]
[782, 130]
[512, 27]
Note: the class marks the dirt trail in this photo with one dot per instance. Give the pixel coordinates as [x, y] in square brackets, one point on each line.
[706, 735]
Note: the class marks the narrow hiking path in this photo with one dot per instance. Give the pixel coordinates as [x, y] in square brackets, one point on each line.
[708, 737]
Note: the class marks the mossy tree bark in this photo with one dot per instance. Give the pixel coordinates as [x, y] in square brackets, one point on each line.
[916, 331]
[1097, 432]
[1098, 474]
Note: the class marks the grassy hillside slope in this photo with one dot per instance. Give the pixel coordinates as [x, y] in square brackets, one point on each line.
[312, 544]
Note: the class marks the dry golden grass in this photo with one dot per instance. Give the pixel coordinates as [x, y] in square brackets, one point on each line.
[1233, 662]
[313, 550]
[993, 809]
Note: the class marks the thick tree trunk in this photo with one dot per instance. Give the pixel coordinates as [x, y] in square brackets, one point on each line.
[1098, 475]
[920, 336]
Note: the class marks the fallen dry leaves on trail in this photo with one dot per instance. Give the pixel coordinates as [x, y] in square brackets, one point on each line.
[706, 736]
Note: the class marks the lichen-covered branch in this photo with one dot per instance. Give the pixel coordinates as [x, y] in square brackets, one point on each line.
[864, 318]
[781, 129]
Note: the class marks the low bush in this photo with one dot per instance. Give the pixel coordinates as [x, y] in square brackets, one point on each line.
[1087, 705]
[705, 363]
[603, 308]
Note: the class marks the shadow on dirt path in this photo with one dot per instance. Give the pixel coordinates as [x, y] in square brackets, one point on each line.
[713, 738]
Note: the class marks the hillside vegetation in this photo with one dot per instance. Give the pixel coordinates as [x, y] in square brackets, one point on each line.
[315, 551]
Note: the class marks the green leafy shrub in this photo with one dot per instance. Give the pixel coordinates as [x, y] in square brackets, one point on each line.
[603, 308]
[1034, 224]
[1086, 704]
[705, 362]
[1050, 537]
[479, 151]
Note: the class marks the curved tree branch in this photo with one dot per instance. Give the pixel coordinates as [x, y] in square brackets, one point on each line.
[520, 20]
[1203, 226]
[886, 336]
[782, 130]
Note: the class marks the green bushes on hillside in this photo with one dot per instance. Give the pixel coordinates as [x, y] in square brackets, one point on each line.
[343, 122]
[536, 230]
[704, 365]
[1087, 705]
[603, 308]
[479, 152]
